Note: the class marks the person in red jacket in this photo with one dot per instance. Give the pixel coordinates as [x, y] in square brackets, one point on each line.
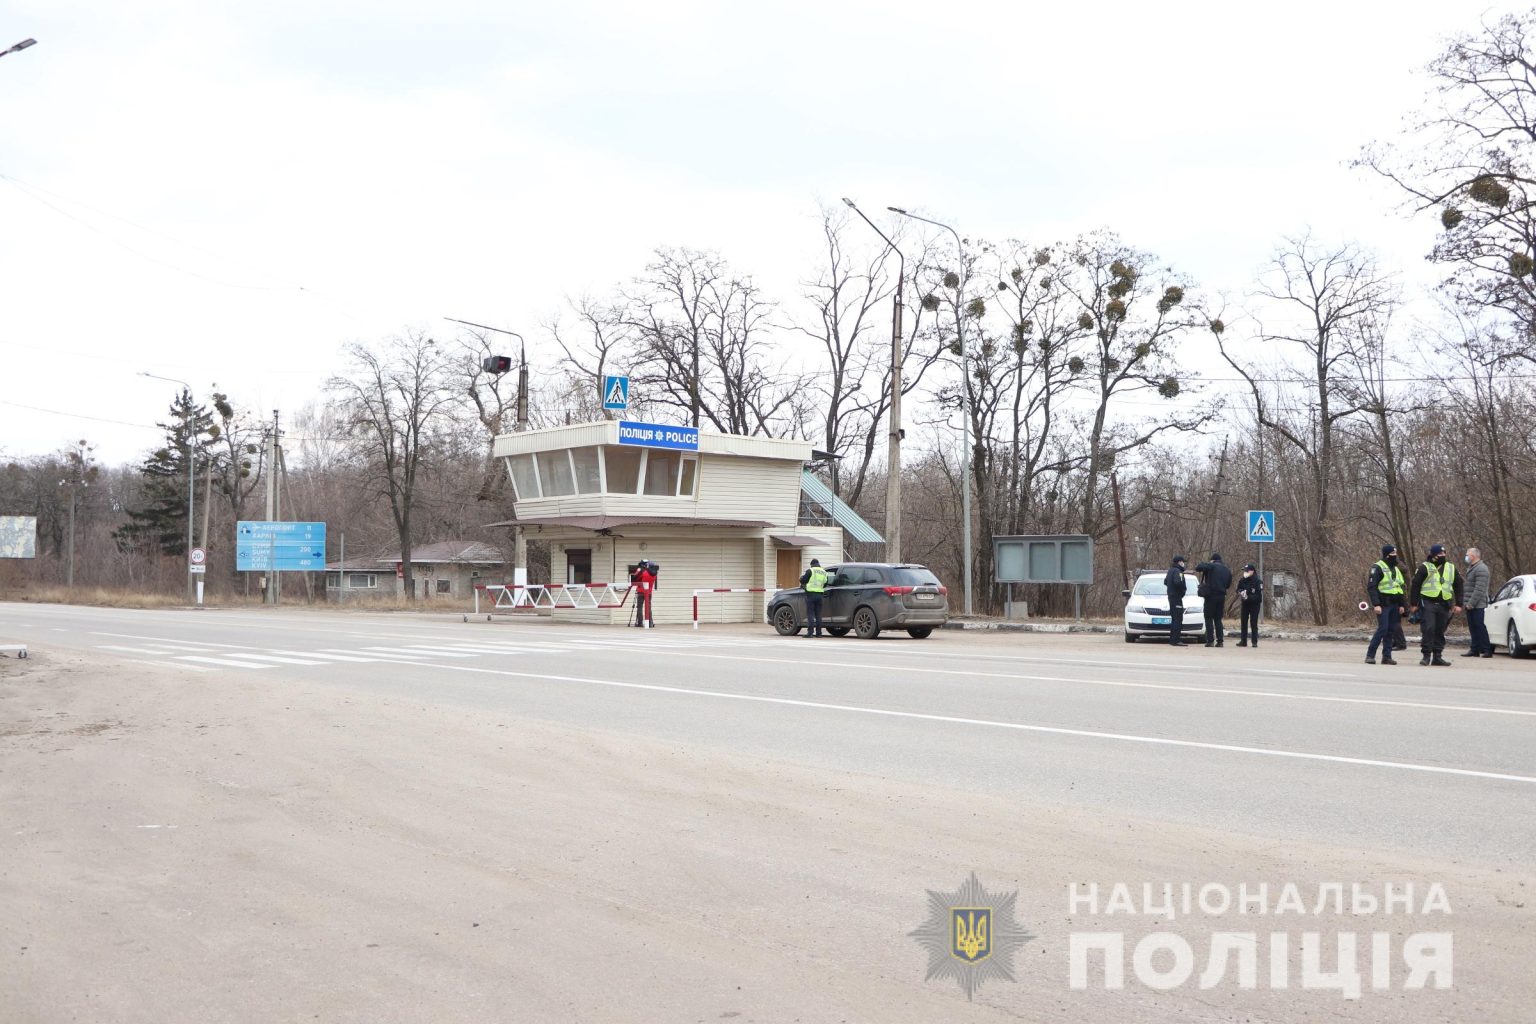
[644, 580]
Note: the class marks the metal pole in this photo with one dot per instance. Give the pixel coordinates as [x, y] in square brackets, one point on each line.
[893, 453]
[1262, 586]
[965, 404]
[69, 572]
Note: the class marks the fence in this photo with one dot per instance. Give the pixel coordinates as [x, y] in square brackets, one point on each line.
[549, 597]
[721, 590]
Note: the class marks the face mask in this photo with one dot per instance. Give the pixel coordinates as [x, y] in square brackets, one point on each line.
[1247, 572]
[1391, 559]
[1439, 559]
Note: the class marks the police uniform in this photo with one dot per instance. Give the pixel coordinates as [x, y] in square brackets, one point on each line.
[1436, 591]
[1385, 590]
[814, 580]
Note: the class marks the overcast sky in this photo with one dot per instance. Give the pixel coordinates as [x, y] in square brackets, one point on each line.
[226, 193]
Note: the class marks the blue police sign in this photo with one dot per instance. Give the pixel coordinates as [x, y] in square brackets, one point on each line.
[615, 392]
[656, 435]
[279, 547]
[1261, 527]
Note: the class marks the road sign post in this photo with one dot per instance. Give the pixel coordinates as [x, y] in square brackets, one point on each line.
[197, 565]
[1261, 531]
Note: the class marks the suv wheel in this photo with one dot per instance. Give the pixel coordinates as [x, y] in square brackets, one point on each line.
[838, 630]
[784, 621]
[920, 632]
[866, 625]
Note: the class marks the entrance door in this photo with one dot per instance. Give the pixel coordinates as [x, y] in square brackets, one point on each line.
[789, 568]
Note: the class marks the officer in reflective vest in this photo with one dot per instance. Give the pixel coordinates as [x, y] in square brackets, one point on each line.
[814, 580]
[1385, 590]
[1436, 589]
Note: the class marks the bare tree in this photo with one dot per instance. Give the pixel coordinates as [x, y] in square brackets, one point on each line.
[397, 397]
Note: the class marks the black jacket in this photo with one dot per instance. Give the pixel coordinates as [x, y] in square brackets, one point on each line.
[1417, 585]
[1377, 598]
[1250, 591]
[1217, 578]
[1174, 581]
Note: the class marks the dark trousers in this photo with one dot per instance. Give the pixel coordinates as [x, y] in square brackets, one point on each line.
[1437, 616]
[1250, 622]
[813, 615]
[1388, 624]
[1175, 623]
[1399, 640]
[1215, 629]
[1478, 627]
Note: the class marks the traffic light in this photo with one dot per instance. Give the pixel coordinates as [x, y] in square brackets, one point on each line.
[496, 364]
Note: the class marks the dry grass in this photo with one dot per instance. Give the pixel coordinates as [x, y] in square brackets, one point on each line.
[99, 597]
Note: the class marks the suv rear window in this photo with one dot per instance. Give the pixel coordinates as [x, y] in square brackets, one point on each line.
[913, 576]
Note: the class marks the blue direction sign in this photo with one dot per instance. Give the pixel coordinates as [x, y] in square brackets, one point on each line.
[279, 547]
[615, 392]
[656, 435]
[1261, 527]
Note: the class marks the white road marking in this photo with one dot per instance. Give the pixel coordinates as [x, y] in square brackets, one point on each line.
[1268, 694]
[437, 652]
[177, 643]
[223, 662]
[327, 657]
[906, 650]
[989, 723]
[130, 650]
[167, 664]
[253, 656]
[376, 651]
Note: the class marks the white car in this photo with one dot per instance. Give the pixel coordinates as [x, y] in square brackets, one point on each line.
[1147, 612]
[1511, 615]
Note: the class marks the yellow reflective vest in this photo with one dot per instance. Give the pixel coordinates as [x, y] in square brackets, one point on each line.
[1439, 582]
[1391, 579]
[818, 582]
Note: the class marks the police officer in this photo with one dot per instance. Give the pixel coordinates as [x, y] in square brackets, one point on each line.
[814, 580]
[1250, 598]
[1216, 580]
[1174, 582]
[1436, 590]
[1384, 588]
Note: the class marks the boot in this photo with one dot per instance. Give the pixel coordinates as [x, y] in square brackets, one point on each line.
[1244, 643]
[1441, 662]
[1424, 660]
[1387, 660]
[1370, 659]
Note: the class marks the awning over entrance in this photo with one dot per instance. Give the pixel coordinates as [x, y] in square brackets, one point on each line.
[841, 514]
[791, 540]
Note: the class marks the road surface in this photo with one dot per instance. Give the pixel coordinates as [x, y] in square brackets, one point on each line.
[285, 815]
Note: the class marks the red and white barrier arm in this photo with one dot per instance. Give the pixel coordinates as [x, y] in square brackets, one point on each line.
[721, 590]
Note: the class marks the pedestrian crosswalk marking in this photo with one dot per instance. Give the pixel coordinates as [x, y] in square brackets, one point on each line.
[224, 662]
[251, 655]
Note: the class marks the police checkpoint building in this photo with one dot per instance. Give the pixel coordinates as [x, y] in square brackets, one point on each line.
[710, 509]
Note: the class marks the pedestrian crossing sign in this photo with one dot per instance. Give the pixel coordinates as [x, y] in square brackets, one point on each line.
[1261, 527]
[615, 392]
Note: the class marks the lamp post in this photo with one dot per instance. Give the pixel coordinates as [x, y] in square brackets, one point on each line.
[519, 538]
[192, 595]
[965, 407]
[893, 466]
[19, 46]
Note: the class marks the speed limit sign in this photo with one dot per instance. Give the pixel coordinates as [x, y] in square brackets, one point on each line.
[196, 561]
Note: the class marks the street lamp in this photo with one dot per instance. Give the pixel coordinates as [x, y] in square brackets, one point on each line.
[965, 408]
[192, 595]
[893, 470]
[19, 46]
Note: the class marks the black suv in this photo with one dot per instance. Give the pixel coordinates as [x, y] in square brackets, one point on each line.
[866, 597]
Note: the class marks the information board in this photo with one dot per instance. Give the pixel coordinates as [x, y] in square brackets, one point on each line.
[279, 547]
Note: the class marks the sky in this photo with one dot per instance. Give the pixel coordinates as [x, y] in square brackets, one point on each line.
[226, 194]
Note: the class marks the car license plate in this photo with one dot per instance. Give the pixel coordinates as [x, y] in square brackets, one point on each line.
[1161, 620]
[923, 597]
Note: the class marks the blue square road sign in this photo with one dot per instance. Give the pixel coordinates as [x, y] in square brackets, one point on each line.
[615, 392]
[1261, 527]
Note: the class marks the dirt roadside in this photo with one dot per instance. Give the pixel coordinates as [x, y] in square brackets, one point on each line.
[175, 848]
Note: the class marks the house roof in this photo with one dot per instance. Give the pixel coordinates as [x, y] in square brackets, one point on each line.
[450, 552]
[611, 522]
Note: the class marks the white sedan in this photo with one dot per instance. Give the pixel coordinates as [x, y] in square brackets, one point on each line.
[1511, 615]
[1147, 611]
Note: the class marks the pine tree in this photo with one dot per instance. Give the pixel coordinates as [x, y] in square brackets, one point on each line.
[161, 521]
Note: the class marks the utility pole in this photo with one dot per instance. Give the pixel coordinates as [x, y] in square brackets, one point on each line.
[1125, 565]
[519, 537]
[270, 596]
[893, 454]
[1221, 472]
[965, 406]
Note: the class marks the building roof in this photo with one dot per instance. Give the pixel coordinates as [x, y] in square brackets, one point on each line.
[581, 435]
[447, 552]
[842, 513]
[795, 540]
[597, 523]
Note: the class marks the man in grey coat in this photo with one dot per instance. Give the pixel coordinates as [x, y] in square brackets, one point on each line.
[1476, 603]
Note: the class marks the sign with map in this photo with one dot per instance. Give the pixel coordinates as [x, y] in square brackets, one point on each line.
[18, 536]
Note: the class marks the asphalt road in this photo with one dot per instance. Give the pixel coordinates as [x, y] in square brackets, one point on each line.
[1290, 740]
[1087, 757]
